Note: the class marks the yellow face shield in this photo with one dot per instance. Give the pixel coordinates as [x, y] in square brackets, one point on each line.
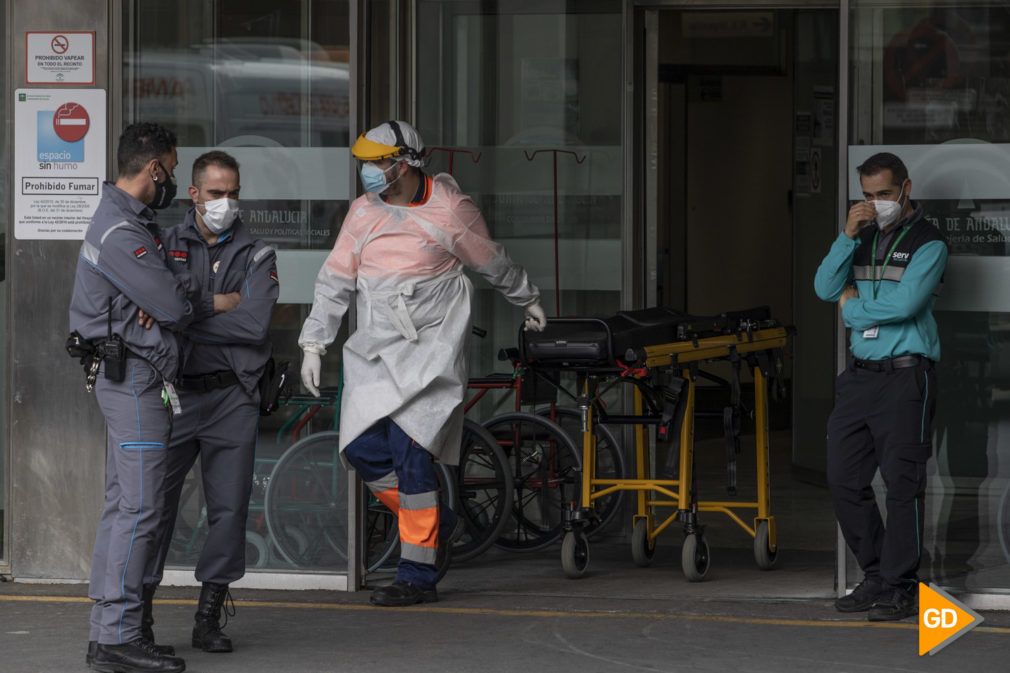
[369, 150]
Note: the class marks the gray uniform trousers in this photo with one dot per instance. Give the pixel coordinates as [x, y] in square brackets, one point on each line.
[218, 426]
[139, 424]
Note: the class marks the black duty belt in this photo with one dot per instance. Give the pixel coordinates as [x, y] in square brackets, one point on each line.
[205, 382]
[900, 362]
[97, 343]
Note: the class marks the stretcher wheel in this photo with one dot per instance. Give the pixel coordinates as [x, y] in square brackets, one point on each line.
[695, 558]
[575, 554]
[642, 548]
[763, 554]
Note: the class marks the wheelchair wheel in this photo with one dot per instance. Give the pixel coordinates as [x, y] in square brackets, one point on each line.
[486, 491]
[381, 536]
[546, 470]
[609, 462]
[306, 503]
[257, 552]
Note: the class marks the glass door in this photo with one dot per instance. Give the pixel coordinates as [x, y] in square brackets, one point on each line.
[4, 210]
[929, 82]
[522, 105]
[267, 81]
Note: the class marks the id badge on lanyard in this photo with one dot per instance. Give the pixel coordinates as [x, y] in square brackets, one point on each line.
[875, 330]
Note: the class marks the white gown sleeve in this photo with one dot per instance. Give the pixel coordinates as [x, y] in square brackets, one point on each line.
[335, 285]
[471, 242]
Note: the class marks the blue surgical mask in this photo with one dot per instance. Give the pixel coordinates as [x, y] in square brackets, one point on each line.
[373, 178]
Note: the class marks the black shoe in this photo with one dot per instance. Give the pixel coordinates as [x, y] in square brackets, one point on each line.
[137, 656]
[895, 604]
[163, 650]
[401, 593]
[207, 633]
[862, 597]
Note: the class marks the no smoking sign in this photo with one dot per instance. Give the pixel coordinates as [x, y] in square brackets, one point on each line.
[66, 57]
[71, 122]
[60, 44]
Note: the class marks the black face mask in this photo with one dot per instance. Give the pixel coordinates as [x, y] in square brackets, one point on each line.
[164, 192]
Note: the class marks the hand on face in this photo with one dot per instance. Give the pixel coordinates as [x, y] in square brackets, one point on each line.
[860, 214]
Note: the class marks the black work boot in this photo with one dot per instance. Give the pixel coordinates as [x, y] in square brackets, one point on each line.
[862, 597]
[207, 633]
[401, 593]
[895, 604]
[147, 620]
[137, 656]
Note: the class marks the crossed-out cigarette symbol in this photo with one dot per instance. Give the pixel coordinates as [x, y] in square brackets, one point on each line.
[60, 44]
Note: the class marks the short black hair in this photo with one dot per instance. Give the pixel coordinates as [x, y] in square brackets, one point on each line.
[140, 143]
[884, 161]
[212, 158]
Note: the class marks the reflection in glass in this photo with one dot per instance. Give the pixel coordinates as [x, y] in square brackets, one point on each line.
[523, 108]
[267, 81]
[4, 186]
[935, 74]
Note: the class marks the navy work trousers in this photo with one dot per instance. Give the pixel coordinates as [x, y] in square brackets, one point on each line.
[400, 472]
[882, 419]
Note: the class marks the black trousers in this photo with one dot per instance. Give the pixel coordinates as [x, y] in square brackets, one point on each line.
[882, 419]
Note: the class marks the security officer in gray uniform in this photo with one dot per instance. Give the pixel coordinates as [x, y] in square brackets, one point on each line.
[225, 356]
[123, 270]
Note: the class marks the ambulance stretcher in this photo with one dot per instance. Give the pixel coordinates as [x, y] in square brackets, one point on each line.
[662, 353]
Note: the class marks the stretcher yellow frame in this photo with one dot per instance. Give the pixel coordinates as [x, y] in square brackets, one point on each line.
[695, 556]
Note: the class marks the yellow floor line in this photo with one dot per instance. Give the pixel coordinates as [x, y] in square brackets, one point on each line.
[525, 613]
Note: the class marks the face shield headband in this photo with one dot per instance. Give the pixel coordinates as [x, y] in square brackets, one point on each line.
[367, 149]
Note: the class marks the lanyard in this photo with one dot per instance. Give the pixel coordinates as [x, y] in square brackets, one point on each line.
[883, 267]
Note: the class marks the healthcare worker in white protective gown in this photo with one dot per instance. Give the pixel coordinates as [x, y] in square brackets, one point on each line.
[402, 248]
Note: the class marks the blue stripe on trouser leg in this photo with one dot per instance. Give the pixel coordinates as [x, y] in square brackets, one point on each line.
[385, 448]
[138, 426]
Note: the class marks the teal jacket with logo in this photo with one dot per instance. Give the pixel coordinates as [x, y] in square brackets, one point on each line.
[905, 290]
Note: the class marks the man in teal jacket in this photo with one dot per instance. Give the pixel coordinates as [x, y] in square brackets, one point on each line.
[884, 270]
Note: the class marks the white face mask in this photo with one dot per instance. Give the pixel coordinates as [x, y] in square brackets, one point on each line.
[219, 214]
[888, 211]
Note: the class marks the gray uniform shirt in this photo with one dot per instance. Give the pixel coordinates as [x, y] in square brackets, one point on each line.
[235, 340]
[123, 268]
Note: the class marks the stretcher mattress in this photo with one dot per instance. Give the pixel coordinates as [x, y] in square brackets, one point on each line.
[597, 342]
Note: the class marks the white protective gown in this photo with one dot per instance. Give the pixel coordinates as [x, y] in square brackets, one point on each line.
[408, 357]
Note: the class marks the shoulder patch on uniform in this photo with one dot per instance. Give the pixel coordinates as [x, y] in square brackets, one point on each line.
[273, 275]
[157, 242]
[179, 255]
[140, 252]
[262, 252]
